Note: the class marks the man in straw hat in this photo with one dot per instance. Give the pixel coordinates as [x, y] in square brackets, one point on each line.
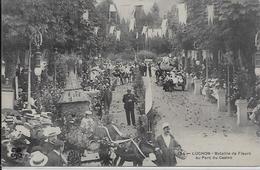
[52, 135]
[167, 145]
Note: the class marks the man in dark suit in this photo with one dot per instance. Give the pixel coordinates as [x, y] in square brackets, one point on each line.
[129, 105]
[167, 146]
[55, 157]
[107, 98]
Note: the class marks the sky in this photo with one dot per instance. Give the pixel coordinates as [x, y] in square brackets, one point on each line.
[125, 7]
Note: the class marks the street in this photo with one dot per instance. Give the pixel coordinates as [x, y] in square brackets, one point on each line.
[199, 127]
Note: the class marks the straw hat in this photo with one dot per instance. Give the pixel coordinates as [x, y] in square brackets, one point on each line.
[15, 135]
[45, 115]
[38, 159]
[88, 112]
[165, 124]
[9, 119]
[23, 130]
[46, 122]
[29, 115]
[5, 141]
[51, 131]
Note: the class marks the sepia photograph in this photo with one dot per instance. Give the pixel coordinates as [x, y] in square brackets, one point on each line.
[130, 83]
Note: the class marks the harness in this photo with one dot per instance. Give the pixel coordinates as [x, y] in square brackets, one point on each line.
[123, 141]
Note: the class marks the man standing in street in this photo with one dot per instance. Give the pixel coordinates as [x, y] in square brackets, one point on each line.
[150, 69]
[167, 146]
[129, 104]
[107, 98]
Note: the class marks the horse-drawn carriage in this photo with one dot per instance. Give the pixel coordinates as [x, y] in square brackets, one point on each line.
[174, 80]
[168, 75]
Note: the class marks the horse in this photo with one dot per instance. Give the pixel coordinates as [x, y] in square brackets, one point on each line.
[132, 150]
[136, 152]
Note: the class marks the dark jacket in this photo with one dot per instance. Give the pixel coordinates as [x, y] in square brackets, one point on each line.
[54, 159]
[47, 147]
[129, 101]
[107, 96]
[168, 155]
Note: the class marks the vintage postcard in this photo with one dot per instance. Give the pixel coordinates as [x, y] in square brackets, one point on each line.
[148, 83]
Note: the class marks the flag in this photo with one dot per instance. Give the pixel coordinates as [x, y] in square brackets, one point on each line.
[118, 33]
[148, 94]
[194, 54]
[112, 8]
[182, 13]
[86, 15]
[154, 33]
[144, 29]
[157, 32]
[133, 13]
[164, 27]
[18, 61]
[210, 10]
[112, 29]
[26, 58]
[132, 25]
[189, 54]
[150, 33]
[204, 54]
[96, 30]
[137, 35]
[3, 68]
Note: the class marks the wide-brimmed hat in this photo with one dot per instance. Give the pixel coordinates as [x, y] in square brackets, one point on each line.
[9, 119]
[46, 122]
[38, 159]
[37, 116]
[23, 130]
[29, 115]
[5, 141]
[51, 131]
[165, 124]
[88, 112]
[15, 135]
[45, 115]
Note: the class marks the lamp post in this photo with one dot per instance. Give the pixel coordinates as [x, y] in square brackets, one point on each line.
[35, 38]
[55, 57]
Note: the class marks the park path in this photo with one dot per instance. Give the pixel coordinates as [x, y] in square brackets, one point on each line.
[118, 111]
[199, 127]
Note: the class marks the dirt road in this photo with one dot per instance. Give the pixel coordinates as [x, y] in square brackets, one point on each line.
[202, 131]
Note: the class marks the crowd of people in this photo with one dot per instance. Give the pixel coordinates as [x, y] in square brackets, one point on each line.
[33, 138]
